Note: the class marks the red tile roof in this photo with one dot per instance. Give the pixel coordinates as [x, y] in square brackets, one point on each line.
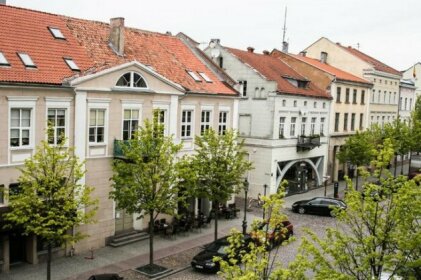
[338, 73]
[27, 31]
[275, 69]
[87, 43]
[378, 65]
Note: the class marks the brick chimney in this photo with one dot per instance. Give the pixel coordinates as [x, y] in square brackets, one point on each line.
[2, 2]
[266, 52]
[303, 53]
[250, 49]
[117, 35]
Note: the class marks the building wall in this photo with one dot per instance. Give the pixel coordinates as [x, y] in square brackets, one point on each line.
[409, 74]
[407, 102]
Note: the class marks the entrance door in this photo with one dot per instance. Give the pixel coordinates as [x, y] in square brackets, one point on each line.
[17, 248]
[123, 221]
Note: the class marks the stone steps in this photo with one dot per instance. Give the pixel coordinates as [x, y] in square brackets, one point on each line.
[128, 238]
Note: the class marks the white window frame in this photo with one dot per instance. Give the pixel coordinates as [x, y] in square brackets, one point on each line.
[130, 105]
[282, 127]
[293, 127]
[187, 123]
[163, 106]
[303, 126]
[313, 125]
[131, 81]
[322, 126]
[98, 103]
[22, 102]
[210, 123]
[223, 124]
[60, 103]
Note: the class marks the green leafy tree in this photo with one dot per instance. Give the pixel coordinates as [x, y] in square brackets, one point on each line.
[258, 260]
[219, 166]
[147, 181]
[51, 199]
[379, 231]
[357, 150]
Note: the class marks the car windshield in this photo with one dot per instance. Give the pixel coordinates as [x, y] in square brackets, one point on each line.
[217, 247]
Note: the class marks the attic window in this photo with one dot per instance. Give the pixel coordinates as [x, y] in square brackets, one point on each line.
[205, 77]
[131, 80]
[194, 76]
[27, 60]
[3, 60]
[302, 84]
[72, 65]
[56, 33]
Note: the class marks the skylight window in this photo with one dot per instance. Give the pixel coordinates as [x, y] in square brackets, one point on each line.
[56, 33]
[194, 76]
[27, 60]
[72, 65]
[205, 77]
[3, 60]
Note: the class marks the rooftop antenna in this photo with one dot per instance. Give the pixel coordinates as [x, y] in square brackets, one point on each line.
[285, 43]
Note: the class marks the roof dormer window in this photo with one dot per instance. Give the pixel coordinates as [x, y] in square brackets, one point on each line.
[205, 77]
[72, 65]
[27, 60]
[56, 33]
[3, 60]
[132, 80]
[194, 76]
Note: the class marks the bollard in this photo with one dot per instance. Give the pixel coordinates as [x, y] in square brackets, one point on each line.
[335, 189]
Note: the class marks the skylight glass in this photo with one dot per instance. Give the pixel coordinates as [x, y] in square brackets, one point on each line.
[205, 77]
[72, 65]
[194, 76]
[3, 60]
[56, 33]
[27, 60]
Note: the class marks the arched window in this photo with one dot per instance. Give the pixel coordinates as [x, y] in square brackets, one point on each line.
[131, 80]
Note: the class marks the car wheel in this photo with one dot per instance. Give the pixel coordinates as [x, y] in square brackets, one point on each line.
[301, 210]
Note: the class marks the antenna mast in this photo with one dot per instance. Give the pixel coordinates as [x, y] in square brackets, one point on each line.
[285, 43]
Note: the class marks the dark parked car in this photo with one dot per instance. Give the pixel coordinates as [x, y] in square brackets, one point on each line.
[108, 276]
[203, 261]
[277, 235]
[318, 205]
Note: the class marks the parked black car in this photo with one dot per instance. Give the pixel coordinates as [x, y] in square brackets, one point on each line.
[318, 205]
[203, 261]
[107, 276]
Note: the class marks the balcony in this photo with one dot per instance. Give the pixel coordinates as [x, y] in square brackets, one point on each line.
[118, 148]
[306, 143]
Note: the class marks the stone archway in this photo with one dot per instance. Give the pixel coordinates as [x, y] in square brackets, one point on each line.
[315, 166]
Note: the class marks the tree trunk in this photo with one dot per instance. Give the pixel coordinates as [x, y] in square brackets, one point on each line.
[356, 181]
[402, 165]
[409, 162]
[49, 249]
[216, 218]
[395, 165]
[151, 239]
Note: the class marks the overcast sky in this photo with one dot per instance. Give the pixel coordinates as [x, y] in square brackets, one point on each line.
[388, 30]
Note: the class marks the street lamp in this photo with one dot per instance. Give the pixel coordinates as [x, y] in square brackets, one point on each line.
[246, 189]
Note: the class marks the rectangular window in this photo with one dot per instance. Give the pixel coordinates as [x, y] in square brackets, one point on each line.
[361, 121]
[352, 121]
[186, 123]
[383, 118]
[281, 127]
[400, 103]
[338, 95]
[406, 103]
[362, 96]
[57, 126]
[205, 77]
[373, 96]
[345, 121]
[20, 127]
[410, 104]
[27, 60]
[292, 127]
[72, 64]
[337, 115]
[354, 97]
[96, 125]
[303, 126]
[347, 95]
[205, 121]
[223, 119]
[56, 33]
[322, 126]
[3, 60]
[243, 88]
[194, 76]
[161, 118]
[379, 96]
[130, 123]
[312, 126]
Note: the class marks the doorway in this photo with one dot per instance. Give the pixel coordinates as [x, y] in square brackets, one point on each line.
[17, 248]
[123, 222]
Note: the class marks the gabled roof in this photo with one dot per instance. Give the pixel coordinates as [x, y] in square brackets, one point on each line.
[274, 69]
[378, 65]
[87, 43]
[338, 73]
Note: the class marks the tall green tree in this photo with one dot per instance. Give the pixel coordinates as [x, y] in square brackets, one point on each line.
[147, 181]
[51, 199]
[357, 150]
[379, 231]
[220, 164]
